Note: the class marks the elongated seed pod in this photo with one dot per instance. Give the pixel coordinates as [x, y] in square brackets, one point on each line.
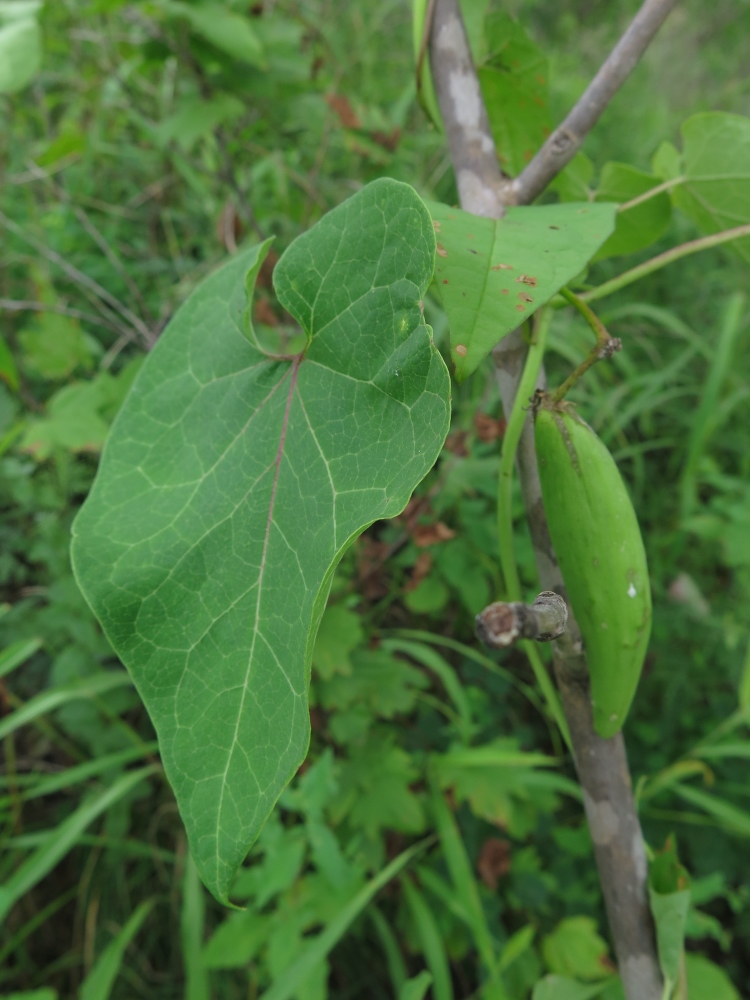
[598, 542]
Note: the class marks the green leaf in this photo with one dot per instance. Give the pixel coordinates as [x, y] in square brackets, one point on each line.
[716, 158]
[20, 54]
[666, 162]
[231, 485]
[574, 182]
[231, 33]
[196, 118]
[339, 635]
[99, 982]
[493, 274]
[706, 981]
[43, 994]
[575, 949]
[636, 227]
[53, 346]
[562, 988]
[669, 894]
[415, 989]
[514, 80]
[286, 985]
[45, 857]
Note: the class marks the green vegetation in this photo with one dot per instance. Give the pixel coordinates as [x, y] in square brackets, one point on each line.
[433, 842]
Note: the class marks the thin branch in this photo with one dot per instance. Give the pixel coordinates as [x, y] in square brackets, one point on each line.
[565, 141]
[651, 193]
[656, 263]
[20, 305]
[79, 277]
[606, 344]
[601, 764]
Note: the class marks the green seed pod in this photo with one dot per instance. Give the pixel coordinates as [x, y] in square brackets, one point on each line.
[598, 542]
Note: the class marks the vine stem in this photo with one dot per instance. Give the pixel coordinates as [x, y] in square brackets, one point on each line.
[505, 510]
[656, 263]
[606, 344]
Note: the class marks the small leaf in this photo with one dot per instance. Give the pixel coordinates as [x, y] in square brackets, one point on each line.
[53, 346]
[196, 118]
[706, 981]
[514, 79]
[231, 33]
[716, 156]
[636, 227]
[563, 988]
[231, 485]
[669, 894]
[494, 273]
[575, 949]
[20, 54]
[416, 988]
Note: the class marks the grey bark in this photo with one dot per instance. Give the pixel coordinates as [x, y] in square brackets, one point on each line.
[566, 140]
[601, 764]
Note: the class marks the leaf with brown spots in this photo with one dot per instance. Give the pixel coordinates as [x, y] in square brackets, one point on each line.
[546, 245]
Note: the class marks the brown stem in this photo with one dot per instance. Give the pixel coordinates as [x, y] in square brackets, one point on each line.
[503, 623]
[601, 764]
[567, 138]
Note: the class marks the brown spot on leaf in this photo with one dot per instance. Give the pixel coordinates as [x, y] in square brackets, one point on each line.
[525, 297]
[521, 309]
[436, 225]
[504, 291]
[442, 252]
[461, 350]
[527, 279]
[469, 236]
[493, 861]
[502, 267]
[445, 281]
[554, 227]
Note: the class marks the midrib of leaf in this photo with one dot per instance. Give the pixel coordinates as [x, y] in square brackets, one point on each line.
[256, 631]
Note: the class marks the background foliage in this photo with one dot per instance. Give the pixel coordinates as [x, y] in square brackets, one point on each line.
[154, 141]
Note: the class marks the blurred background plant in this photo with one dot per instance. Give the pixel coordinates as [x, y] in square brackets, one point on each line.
[141, 144]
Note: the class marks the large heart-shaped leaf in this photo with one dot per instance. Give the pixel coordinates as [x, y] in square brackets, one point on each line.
[494, 273]
[231, 484]
[716, 167]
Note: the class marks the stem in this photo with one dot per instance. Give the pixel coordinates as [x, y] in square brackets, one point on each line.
[656, 263]
[565, 141]
[606, 344]
[651, 193]
[505, 513]
[602, 764]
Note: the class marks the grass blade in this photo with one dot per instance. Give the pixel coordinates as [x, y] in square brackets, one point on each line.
[732, 819]
[41, 704]
[17, 653]
[432, 942]
[44, 859]
[394, 959]
[463, 879]
[99, 982]
[192, 932]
